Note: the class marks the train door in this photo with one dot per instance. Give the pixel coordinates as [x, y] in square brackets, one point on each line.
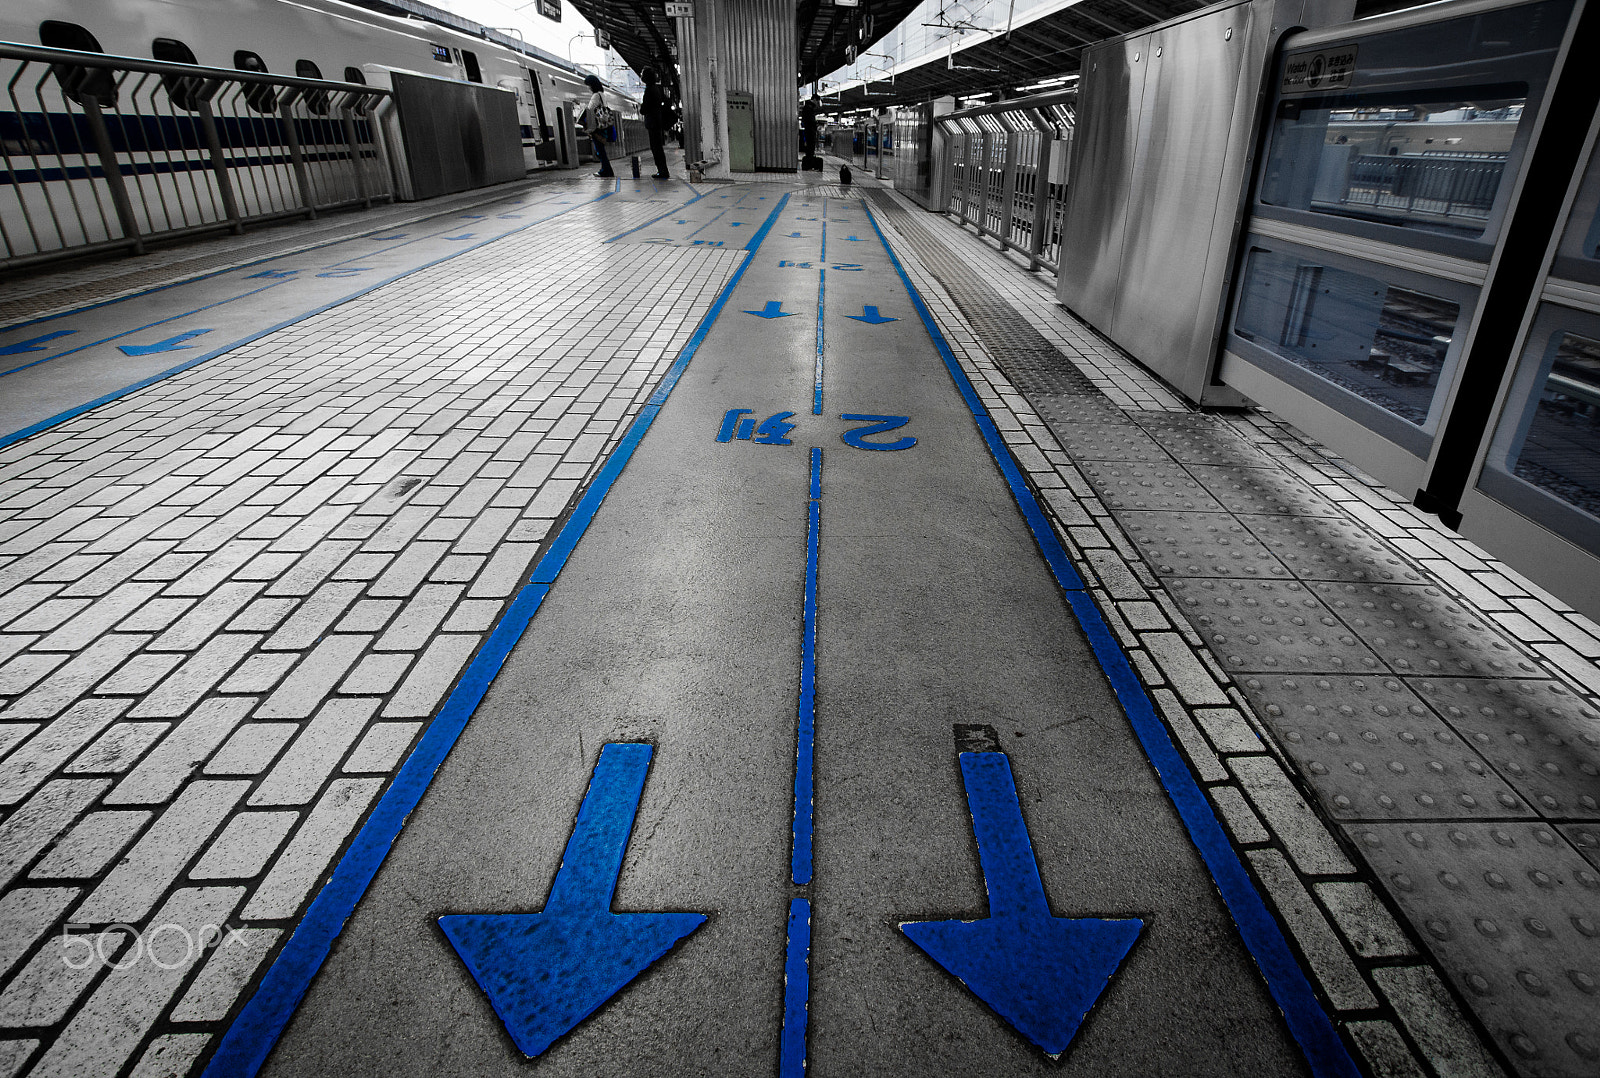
[519, 87]
[543, 133]
[566, 144]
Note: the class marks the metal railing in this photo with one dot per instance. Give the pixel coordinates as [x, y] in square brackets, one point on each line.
[1428, 184]
[999, 163]
[105, 152]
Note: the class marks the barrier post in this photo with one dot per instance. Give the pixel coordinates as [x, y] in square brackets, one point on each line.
[296, 157]
[1041, 199]
[219, 163]
[112, 170]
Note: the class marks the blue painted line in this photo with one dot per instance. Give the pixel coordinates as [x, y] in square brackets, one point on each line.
[244, 1047]
[1286, 981]
[796, 992]
[715, 218]
[822, 281]
[653, 220]
[139, 329]
[800, 868]
[217, 273]
[62, 417]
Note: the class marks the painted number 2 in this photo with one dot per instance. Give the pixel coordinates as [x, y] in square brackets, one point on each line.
[876, 424]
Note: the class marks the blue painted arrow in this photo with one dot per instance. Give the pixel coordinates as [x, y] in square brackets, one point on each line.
[546, 972]
[773, 309]
[463, 236]
[1040, 973]
[171, 344]
[852, 239]
[793, 234]
[870, 316]
[35, 344]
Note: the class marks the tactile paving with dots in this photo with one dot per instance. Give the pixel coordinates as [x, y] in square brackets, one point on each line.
[1200, 544]
[1199, 439]
[1586, 837]
[1148, 485]
[1538, 734]
[1095, 435]
[1261, 490]
[1513, 914]
[1373, 751]
[1317, 548]
[1271, 626]
[1419, 630]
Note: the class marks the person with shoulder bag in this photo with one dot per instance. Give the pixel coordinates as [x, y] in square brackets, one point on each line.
[597, 123]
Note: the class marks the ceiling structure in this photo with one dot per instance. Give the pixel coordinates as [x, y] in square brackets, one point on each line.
[1042, 49]
[1001, 64]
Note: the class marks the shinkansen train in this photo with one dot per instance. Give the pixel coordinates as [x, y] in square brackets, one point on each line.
[310, 39]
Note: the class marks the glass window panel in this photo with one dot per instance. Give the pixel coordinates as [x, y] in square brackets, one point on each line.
[1384, 343]
[1560, 452]
[1395, 159]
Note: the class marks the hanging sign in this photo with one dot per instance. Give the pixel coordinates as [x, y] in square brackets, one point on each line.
[680, 11]
[550, 9]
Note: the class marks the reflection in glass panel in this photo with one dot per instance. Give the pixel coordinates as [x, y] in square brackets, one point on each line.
[1561, 452]
[1381, 342]
[1433, 166]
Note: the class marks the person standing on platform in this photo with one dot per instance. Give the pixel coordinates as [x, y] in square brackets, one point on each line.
[657, 118]
[808, 126]
[594, 128]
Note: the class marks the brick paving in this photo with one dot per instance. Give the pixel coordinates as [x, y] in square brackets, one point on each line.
[230, 599]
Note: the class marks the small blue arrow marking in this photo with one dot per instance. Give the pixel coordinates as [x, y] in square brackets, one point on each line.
[1040, 973]
[35, 344]
[546, 972]
[171, 344]
[773, 309]
[871, 317]
[463, 236]
[852, 239]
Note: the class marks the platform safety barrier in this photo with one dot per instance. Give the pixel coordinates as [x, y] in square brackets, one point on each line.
[1006, 171]
[106, 152]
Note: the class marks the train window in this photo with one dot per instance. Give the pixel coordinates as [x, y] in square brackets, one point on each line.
[353, 74]
[1578, 258]
[1430, 165]
[1420, 128]
[1384, 338]
[1545, 461]
[471, 61]
[182, 91]
[98, 83]
[259, 96]
[316, 100]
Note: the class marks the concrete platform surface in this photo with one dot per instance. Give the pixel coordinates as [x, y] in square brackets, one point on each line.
[741, 629]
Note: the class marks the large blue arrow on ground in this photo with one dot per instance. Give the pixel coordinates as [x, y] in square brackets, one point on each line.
[546, 972]
[773, 309]
[35, 344]
[171, 344]
[871, 317]
[1040, 973]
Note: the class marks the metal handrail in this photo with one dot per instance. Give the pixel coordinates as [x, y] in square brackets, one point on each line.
[998, 188]
[175, 149]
